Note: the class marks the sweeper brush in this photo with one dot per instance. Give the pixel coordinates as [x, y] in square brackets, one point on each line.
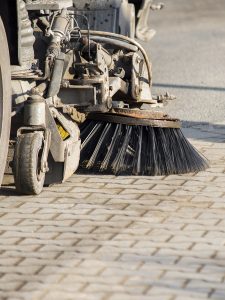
[134, 142]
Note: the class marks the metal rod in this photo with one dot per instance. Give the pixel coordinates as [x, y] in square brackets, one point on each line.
[127, 39]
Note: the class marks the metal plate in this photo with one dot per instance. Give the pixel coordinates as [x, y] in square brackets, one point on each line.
[48, 4]
[94, 5]
[135, 121]
[140, 114]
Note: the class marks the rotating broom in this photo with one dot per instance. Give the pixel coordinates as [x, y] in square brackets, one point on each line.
[130, 142]
[134, 141]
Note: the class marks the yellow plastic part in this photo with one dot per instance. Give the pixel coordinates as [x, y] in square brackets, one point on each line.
[63, 133]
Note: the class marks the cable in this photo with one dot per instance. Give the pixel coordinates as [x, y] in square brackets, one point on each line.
[127, 39]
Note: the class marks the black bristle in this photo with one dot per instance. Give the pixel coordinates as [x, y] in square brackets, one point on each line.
[137, 150]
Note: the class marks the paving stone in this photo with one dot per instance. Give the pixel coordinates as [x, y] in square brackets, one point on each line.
[173, 290]
[106, 191]
[104, 288]
[108, 179]
[124, 296]
[59, 295]
[77, 217]
[113, 211]
[9, 261]
[218, 294]
[18, 253]
[68, 230]
[36, 235]
[194, 277]
[154, 191]
[30, 270]
[9, 286]
[32, 286]
[185, 297]
[21, 216]
[145, 186]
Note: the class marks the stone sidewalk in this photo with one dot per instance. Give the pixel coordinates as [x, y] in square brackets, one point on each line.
[120, 238]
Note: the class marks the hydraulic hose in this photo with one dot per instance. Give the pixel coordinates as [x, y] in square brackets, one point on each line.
[120, 37]
[119, 44]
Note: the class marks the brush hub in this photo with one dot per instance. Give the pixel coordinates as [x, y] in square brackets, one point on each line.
[136, 117]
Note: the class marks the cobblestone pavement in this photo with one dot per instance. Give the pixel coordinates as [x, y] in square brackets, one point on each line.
[118, 238]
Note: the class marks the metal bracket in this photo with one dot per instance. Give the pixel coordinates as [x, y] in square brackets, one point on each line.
[44, 158]
[47, 142]
[46, 4]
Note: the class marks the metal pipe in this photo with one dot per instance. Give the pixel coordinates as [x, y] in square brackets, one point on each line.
[57, 73]
[117, 43]
[130, 41]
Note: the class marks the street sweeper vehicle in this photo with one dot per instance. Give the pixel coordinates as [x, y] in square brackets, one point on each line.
[76, 96]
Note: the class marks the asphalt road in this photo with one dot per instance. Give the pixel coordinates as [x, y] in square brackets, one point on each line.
[188, 56]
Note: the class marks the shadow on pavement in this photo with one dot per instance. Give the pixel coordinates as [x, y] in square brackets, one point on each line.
[189, 87]
[204, 131]
[6, 191]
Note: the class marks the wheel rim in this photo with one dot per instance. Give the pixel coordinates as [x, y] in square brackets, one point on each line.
[39, 171]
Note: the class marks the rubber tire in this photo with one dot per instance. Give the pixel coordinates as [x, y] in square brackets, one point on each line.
[28, 178]
[5, 100]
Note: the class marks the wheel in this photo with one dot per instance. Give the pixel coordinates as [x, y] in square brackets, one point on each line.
[5, 100]
[29, 179]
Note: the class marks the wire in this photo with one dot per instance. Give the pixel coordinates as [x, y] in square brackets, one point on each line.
[88, 31]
